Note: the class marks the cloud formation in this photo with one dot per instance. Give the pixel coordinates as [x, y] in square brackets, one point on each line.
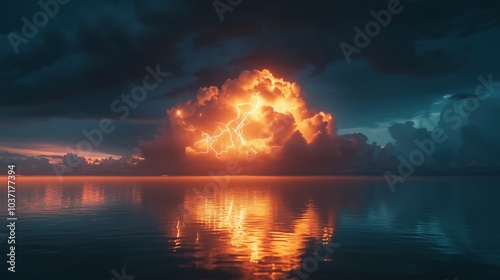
[94, 51]
[257, 119]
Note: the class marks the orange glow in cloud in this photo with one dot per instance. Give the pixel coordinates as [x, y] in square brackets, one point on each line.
[253, 114]
[231, 135]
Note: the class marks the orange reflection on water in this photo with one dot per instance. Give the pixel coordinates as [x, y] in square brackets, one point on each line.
[92, 195]
[259, 231]
[252, 228]
[50, 194]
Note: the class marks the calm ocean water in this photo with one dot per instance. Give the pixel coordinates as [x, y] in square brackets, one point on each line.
[254, 228]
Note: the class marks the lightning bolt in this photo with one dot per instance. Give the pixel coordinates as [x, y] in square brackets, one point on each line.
[233, 130]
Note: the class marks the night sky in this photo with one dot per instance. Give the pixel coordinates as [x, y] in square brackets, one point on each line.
[433, 64]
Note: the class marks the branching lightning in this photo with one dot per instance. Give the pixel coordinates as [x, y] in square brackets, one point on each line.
[230, 135]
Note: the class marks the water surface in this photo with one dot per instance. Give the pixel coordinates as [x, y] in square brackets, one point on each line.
[255, 228]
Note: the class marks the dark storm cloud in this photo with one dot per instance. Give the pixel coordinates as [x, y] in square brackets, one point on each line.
[472, 139]
[297, 140]
[93, 51]
[201, 77]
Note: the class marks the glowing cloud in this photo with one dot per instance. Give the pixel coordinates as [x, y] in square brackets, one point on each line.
[230, 137]
[256, 115]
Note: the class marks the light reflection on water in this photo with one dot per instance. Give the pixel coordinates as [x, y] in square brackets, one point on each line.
[249, 229]
[258, 227]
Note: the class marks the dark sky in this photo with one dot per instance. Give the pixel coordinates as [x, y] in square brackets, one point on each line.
[428, 57]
